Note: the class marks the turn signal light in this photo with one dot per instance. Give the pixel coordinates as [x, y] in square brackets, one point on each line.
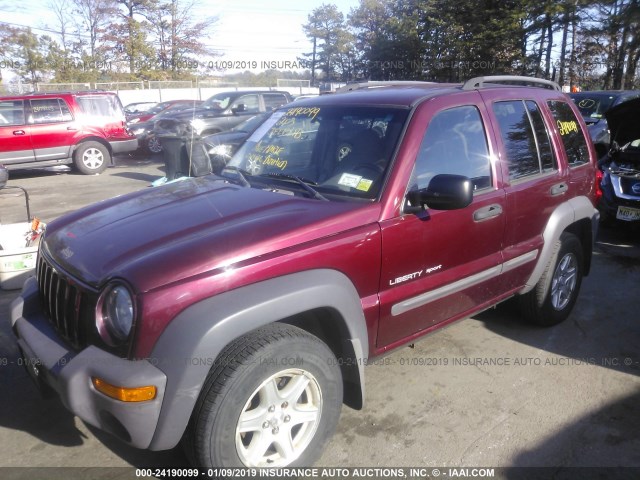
[125, 394]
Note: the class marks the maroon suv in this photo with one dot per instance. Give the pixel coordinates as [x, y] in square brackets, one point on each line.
[237, 312]
[45, 129]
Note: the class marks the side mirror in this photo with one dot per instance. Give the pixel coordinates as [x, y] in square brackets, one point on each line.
[4, 176]
[445, 192]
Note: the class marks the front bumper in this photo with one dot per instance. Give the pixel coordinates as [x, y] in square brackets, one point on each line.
[54, 366]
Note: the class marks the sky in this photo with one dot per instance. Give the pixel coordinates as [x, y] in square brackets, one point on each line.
[248, 32]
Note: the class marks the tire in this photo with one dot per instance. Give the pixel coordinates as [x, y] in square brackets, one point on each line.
[555, 294]
[91, 158]
[154, 145]
[251, 381]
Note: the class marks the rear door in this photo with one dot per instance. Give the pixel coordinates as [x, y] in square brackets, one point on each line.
[437, 265]
[53, 128]
[15, 139]
[535, 183]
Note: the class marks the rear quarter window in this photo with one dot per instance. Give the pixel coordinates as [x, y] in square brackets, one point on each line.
[49, 110]
[100, 106]
[573, 140]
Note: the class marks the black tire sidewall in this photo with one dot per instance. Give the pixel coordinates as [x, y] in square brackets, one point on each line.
[82, 148]
[569, 244]
[217, 424]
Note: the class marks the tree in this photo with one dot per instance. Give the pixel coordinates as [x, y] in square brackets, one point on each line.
[334, 43]
[178, 37]
[93, 17]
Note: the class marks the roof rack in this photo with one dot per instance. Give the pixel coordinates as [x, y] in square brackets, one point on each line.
[377, 84]
[479, 82]
[63, 92]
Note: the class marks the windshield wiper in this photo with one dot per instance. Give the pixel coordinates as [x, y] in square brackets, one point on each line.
[303, 182]
[241, 175]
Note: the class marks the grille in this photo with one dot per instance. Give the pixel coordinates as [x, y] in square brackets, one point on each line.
[64, 303]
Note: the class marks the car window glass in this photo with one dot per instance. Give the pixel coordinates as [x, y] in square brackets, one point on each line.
[455, 143]
[273, 100]
[99, 106]
[341, 150]
[547, 159]
[12, 112]
[250, 103]
[571, 134]
[518, 139]
[49, 110]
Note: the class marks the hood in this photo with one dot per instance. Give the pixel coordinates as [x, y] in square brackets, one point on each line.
[624, 121]
[166, 234]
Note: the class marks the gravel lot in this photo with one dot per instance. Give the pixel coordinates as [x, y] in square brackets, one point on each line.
[489, 391]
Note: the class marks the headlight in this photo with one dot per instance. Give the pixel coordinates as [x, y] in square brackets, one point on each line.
[138, 131]
[134, 120]
[114, 315]
[198, 125]
[223, 150]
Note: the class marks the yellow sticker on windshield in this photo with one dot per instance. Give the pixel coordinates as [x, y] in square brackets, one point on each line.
[364, 185]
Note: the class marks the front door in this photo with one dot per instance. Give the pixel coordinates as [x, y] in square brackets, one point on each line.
[15, 138]
[438, 265]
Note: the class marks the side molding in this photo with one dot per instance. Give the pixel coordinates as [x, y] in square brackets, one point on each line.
[189, 346]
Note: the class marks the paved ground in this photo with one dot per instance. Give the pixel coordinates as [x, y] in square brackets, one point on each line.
[486, 392]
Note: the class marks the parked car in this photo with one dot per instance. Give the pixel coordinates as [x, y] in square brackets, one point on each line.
[593, 106]
[621, 165]
[237, 312]
[221, 146]
[218, 113]
[82, 128]
[225, 110]
[138, 107]
[159, 108]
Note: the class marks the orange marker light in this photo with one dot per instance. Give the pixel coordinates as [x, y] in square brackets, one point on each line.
[125, 394]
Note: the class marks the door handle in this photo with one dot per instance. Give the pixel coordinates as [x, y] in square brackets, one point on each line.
[18, 132]
[559, 189]
[486, 213]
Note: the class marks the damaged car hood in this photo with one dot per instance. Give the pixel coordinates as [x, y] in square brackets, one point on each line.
[624, 122]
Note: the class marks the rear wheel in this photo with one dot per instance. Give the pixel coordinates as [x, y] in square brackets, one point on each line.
[273, 399]
[91, 158]
[555, 294]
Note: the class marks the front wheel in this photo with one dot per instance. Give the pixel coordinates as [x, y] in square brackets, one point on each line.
[273, 399]
[91, 158]
[555, 294]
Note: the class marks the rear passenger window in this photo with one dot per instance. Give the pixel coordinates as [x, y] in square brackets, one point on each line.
[573, 139]
[455, 142]
[11, 112]
[525, 138]
[49, 110]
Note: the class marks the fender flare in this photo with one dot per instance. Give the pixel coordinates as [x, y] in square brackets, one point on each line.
[566, 214]
[187, 348]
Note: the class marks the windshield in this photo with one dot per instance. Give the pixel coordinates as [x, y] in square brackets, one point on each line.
[341, 150]
[594, 105]
[219, 101]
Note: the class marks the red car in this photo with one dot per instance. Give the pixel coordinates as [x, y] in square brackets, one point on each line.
[80, 128]
[161, 107]
[238, 312]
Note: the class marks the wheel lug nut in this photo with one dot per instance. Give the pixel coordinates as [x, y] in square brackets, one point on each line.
[275, 430]
[287, 418]
[265, 425]
[272, 408]
[285, 404]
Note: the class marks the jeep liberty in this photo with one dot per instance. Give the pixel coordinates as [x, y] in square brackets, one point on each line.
[236, 313]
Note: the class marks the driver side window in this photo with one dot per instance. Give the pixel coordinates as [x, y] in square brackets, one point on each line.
[455, 143]
[250, 102]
